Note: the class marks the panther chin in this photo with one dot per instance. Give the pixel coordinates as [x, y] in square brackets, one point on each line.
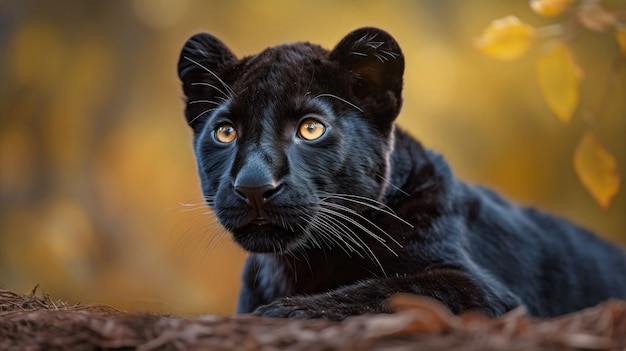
[265, 237]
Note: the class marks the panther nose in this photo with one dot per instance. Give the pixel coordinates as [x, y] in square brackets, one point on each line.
[256, 196]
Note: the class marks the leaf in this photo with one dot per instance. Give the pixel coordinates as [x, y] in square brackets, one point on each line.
[597, 169]
[620, 35]
[429, 315]
[506, 39]
[549, 8]
[558, 77]
[596, 18]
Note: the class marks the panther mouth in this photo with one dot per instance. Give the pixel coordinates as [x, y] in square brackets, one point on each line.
[264, 236]
[260, 221]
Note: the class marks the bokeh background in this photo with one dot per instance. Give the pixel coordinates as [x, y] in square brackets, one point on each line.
[99, 198]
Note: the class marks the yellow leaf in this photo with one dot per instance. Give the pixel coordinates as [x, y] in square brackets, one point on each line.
[558, 77]
[506, 38]
[620, 35]
[597, 169]
[549, 8]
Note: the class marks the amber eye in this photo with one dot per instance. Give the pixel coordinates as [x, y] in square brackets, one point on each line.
[311, 129]
[225, 133]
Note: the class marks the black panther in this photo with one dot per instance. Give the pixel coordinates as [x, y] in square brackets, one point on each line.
[300, 159]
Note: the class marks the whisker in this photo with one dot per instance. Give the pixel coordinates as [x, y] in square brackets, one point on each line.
[372, 204]
[312, 238]
[374, 44]
[341, 233]
[353, 236]
[391, 53]
[231, 93]
[381, 58]
[364, 201]
[354, 212]
[340, 99]
[214, 87]
[393, 185]
[220, 98]
[191, 207]
[316, 228]
[194, 236]
[316, 223]
[358, 53]
[215, 240]
[203, 102]
[363, 228]
[201, 114]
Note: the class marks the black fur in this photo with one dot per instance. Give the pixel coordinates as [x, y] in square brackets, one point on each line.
[338, 224]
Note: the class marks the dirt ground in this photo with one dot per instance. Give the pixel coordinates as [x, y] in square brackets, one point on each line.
[36, 322]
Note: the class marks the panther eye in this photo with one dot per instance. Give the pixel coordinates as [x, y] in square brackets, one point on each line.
[311, 129]
[225, 133]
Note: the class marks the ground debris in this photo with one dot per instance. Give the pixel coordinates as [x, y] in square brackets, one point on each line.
[36, 322]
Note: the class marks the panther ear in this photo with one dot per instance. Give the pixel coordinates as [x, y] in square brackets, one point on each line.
[201, 62]
[202, 56]
[375, 58]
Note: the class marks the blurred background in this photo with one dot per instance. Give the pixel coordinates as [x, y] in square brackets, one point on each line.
[99, 197]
